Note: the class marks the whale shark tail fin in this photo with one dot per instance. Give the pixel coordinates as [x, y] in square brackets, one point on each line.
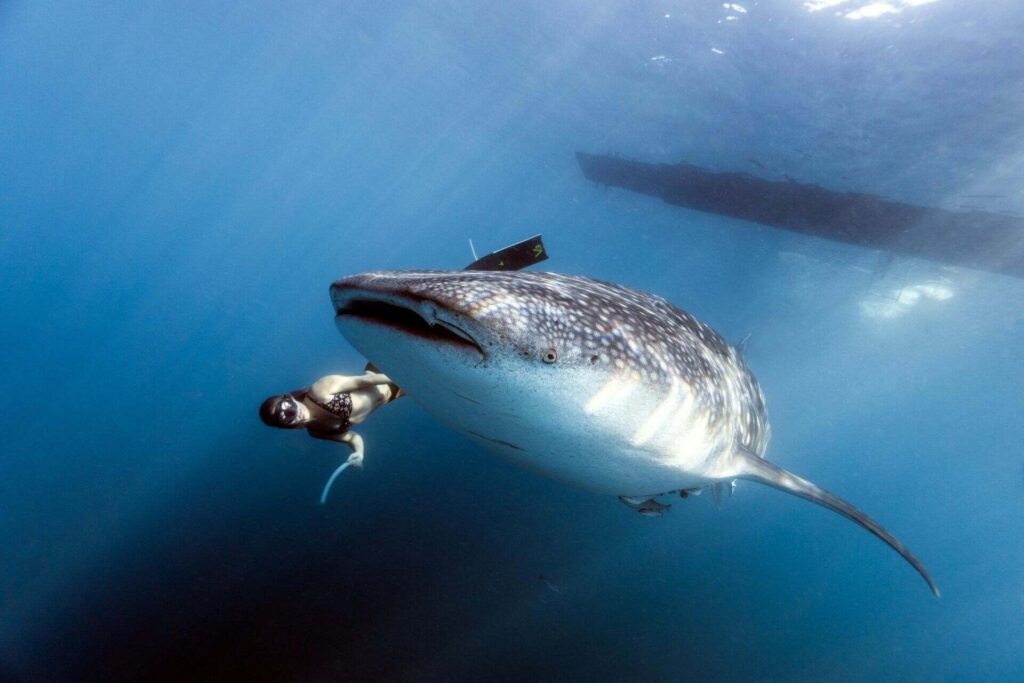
[759, 469]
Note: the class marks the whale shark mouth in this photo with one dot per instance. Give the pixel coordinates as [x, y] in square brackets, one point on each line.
[408, 320]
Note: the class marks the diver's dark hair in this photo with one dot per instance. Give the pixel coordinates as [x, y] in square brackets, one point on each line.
[271, 413]
[268, 411]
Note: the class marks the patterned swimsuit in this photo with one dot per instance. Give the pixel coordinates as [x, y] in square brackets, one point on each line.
[340, 405]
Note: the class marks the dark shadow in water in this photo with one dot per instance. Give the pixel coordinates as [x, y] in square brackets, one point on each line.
[244, 576]
[241, 575]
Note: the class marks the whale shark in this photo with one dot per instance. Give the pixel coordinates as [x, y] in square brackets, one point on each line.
[595, 384]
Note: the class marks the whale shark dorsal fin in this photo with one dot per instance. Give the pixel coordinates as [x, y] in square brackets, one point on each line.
[759, 469]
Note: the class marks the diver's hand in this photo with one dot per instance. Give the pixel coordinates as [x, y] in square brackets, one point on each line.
[355, 442]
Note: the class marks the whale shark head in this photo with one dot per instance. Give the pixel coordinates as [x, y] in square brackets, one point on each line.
[474, 319]
[547, 361]
[595, 384]
[526, 322]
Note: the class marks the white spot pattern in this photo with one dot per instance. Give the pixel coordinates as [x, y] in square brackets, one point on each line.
[637, 336]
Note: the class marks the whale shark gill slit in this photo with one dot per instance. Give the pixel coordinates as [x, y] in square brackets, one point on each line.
[408, 321]
[509, 444]
[466, 398]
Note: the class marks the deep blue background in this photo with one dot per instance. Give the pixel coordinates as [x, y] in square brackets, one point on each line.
[179, 184]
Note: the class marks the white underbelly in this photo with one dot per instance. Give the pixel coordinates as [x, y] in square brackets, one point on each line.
[620, 445]
[583, 427]
[595, 465]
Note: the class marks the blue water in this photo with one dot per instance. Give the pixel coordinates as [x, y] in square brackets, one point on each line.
[180, 184]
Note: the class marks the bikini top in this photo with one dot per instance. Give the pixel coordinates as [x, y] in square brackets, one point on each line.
[339, 405]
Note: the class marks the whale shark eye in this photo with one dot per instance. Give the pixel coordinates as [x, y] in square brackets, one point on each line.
[550, 356]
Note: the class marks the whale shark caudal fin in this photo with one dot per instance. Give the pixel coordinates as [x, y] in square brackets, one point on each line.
[759, 469]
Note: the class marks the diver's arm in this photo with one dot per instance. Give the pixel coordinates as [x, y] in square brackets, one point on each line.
[336, 384]
[355, 442]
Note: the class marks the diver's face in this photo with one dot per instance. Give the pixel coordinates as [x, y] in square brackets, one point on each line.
[290, 412]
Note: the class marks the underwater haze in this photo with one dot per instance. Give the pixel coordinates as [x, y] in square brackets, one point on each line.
[181, 182]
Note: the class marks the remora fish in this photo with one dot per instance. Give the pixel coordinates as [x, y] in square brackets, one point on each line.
[595, 384]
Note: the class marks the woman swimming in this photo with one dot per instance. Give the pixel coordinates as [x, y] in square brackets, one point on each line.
[328, 409]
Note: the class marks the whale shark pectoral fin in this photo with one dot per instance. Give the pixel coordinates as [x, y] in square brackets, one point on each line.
[759, 469]
[648, 507]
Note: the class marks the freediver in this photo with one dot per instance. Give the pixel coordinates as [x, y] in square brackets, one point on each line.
[328, 409]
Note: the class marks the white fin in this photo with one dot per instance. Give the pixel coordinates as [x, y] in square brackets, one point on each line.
[765, 472]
